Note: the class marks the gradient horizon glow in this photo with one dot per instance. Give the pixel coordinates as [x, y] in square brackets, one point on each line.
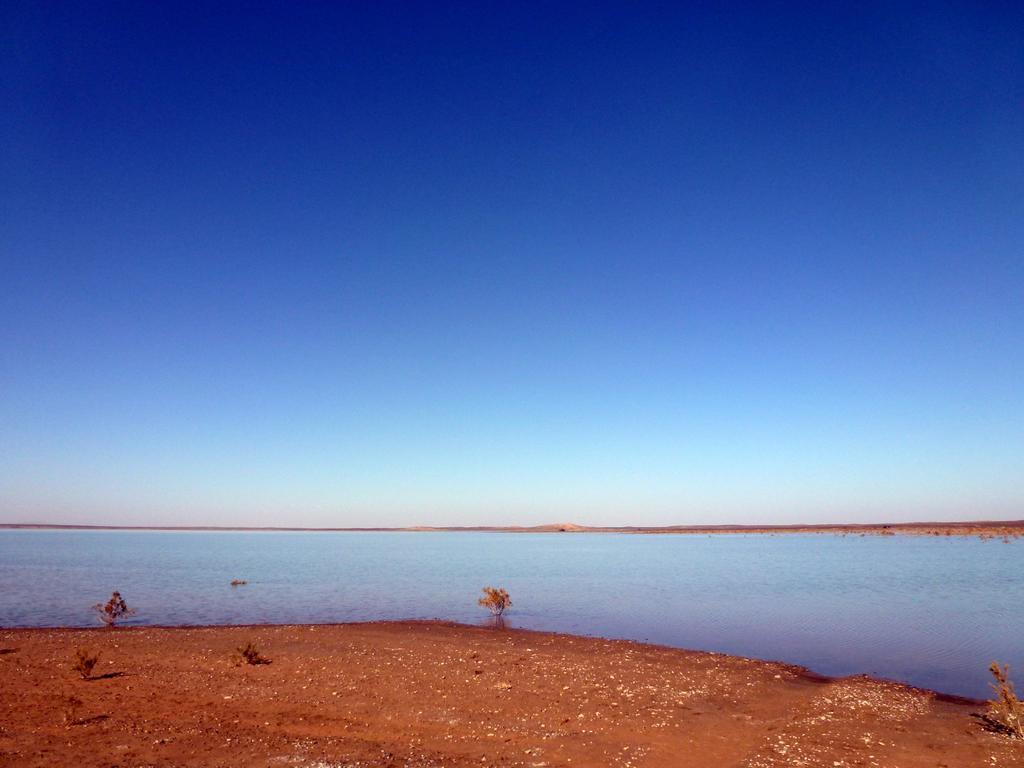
[375, 264]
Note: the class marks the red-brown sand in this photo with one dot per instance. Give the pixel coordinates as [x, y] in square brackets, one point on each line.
[433, 694]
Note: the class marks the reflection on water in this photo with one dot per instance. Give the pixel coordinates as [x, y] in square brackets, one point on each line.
[933, 611]
[496, 622]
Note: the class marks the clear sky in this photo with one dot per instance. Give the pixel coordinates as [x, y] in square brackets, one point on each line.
[373, 264]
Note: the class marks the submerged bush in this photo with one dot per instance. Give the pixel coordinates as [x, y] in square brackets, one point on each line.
[85, 661]
[495, 600]
[1006, 711]
[251, 655]
[113, 610]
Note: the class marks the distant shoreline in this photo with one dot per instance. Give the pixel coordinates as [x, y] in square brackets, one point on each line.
[983, 528]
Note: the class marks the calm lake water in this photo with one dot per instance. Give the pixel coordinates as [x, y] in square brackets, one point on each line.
[932, 611]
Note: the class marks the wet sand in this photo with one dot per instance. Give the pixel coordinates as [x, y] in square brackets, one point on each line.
[437, 694]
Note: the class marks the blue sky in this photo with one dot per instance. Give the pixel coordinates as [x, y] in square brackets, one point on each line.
[364, 264]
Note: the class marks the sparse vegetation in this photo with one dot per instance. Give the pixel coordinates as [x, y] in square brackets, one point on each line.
[238, 582]
[250, 655]
[496, 600]
[113, 610]
[1006, 711]
[85, 661]
[71, 705]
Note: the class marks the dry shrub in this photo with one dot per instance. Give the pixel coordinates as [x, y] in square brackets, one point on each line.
[251, 655]
[70, 707]
[85, 661]
[495, 600]
[1006, 711]
[113, 610]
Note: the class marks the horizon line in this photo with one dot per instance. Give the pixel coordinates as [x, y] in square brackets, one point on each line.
[543, 528]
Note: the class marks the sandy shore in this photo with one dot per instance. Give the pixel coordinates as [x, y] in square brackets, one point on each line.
[433, 694]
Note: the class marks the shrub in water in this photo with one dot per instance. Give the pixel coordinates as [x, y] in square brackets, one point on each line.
[495, 600]
[113, 610]
[85, 660]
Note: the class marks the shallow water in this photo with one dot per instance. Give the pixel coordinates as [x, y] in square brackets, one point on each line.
[932, 611]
